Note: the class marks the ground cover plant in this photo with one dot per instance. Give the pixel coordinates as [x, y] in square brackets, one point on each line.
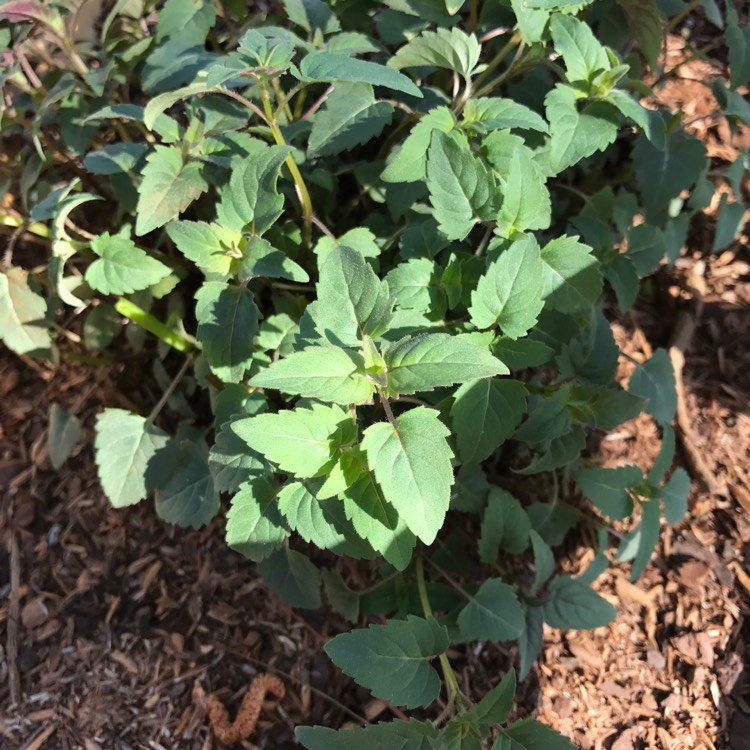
[368, 249]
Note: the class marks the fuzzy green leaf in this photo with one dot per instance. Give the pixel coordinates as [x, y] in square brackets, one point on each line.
[505, 526]
[122, 267]
[674, 494]
[415, 285]
[377, 521]
[63, 434]
[330, 67]
[210, 246]
[638, 545]
[528, 734]
[582, 53]
[255, 528]
[227, 323]
[572, 280]
[432, 360]
[485, 413]
[494, 707]
[408, 163]
[574, 606]
[124, 446]
[655, 381]
[494, 113]
[230, 461]
[352, 301]
[24, 315]
[412, 464]
[395, 735]
[392, 660]
[188, 497]
[645, 22]
[349, 118]
[526, 201]
[169, 186]
[510, 292]
[327, 373]
[251, 198]
[444, 48]
[300, 441]
[608, 488]
[492, 614]
[293, 577]
[262, 259]
[461, 188]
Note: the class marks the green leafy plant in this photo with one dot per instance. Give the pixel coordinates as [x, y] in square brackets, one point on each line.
[376, 242]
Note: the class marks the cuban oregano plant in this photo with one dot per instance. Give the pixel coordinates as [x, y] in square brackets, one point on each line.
[381, 243]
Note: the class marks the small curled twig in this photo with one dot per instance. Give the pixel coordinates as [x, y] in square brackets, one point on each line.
[247, 717]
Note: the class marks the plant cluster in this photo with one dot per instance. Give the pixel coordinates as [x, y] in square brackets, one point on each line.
[378, 240]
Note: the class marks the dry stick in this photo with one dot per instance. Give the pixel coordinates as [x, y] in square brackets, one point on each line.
[686, 323]
[14, 680]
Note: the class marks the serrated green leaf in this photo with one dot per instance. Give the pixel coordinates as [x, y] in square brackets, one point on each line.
[494, 707]
[655, 381]
[411, 463]
[639, 544]
[528, 734]
[395, 735]
[327, 373]
[360, 239]
[664, 459]
[392, 660]
[572, 281]
[64, 432]
[608, 488]
[352, 301]
[458, 734]
[188, 497]
[300, 441]
[227, 323]
[115, 158]
[645, 22]
[432, 360]
[505, 526]
[592, 355]
[24, 315]
[377, 521]
[292, 576]
[662, 174]
[320, 521]
[230, 461]
[330, 67]
[262, 259]
[552, 521]
[408, 162]
[495, 113]
[492, 614]
[530, 640]
[485, 413]
[349, 118]
[544, 561]
[526, 201]
[510, 292]
[211, 247]
[582, 53]
[730, 221]
[251, 198]
[169, 185]
[312, 15]
[461, 188]
[415, 285]
[521, 353]
[574, 606]
[674, 494]
[576, 135]
[738, 42]
[340, 596]
[444, 48]
[122, 267]
[125, 445]
[558, 452]
[255, 528]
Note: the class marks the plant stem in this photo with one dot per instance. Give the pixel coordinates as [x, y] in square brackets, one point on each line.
[473, 15]
[170, 389]
[683, 14]
[37, 228]
[451, 682]
[131, 311]
[299, 182]
[514, 41]
[387, 409]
